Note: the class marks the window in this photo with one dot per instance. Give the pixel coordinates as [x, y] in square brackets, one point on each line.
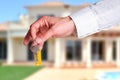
[97, 50]
[78, 50]
[3, 50]
[73, 50]
[69, 49]
[114, 51]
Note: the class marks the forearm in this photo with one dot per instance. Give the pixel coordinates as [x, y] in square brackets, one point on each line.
[97, 17]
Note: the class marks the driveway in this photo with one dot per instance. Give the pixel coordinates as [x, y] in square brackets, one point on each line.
[67, 74]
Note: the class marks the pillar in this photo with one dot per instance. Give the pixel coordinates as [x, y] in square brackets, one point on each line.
[63, 51]
[108, 50]
[84, 51]
[88, 53]
[118, 52]
[59, 52]
[10, 56]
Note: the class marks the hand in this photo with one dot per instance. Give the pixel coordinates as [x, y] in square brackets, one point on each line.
[47, 27]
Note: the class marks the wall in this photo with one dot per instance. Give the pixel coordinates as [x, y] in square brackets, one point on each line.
[20, 51]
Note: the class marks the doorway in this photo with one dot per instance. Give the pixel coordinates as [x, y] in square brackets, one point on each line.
[73, 50]
[44, 52]
[114, 51]
[97, 51]
[3, 50]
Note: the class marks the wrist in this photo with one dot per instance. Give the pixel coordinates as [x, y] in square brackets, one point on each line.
[74, 33]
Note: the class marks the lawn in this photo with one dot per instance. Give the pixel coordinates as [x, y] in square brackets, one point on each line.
[16, 72]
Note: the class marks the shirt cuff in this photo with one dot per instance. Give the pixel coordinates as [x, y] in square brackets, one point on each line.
[85, 22]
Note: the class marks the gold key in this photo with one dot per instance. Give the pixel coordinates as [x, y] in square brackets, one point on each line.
[37, 58]
[37, 55]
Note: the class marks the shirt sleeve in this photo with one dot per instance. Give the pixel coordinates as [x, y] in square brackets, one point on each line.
[99, 16]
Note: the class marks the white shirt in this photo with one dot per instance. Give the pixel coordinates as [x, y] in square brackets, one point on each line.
[97, 17]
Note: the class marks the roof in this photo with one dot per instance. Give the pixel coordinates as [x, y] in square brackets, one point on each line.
[47, 4]
[3, 26]
[54, 4]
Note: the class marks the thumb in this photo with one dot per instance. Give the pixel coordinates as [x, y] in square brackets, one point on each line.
[40, 39]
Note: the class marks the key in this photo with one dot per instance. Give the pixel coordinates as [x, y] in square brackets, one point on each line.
[37, 55]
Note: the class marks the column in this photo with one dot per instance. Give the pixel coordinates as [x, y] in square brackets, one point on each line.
[63, 51]
[58, 50]
[118, 52]
[88, 53]
[84, 51]
[10, 56]
[108, 50]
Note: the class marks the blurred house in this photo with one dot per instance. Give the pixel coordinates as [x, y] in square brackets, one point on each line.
[99, 50]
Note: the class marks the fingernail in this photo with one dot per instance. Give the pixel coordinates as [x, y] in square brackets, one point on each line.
[38, 40]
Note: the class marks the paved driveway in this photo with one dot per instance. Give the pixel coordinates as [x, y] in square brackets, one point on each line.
[67, 74]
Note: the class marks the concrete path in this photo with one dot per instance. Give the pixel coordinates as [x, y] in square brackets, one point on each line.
[66, 74]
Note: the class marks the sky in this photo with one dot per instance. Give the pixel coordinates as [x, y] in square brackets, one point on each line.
[11, 9]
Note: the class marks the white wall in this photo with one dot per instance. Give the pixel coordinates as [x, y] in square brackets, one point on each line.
[51, 50]
[20, 51]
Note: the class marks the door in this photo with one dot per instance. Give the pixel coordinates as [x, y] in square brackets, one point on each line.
[97, 50]
[73, 50]
[3, 50]
[114, 51]
[44, 52]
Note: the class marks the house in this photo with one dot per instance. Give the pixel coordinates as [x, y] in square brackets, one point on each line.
[99, 50]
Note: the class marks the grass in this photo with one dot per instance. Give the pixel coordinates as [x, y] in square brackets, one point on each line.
[16, 72]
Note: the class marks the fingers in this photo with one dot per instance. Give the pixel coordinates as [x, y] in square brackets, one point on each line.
[27, 38]
[34, 28]
[38, 26]
[39, 32]
[40, 46]
[41, 38]
[31, 35]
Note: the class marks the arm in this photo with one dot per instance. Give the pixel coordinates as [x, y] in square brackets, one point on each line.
[97, 17]
[92, 19]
